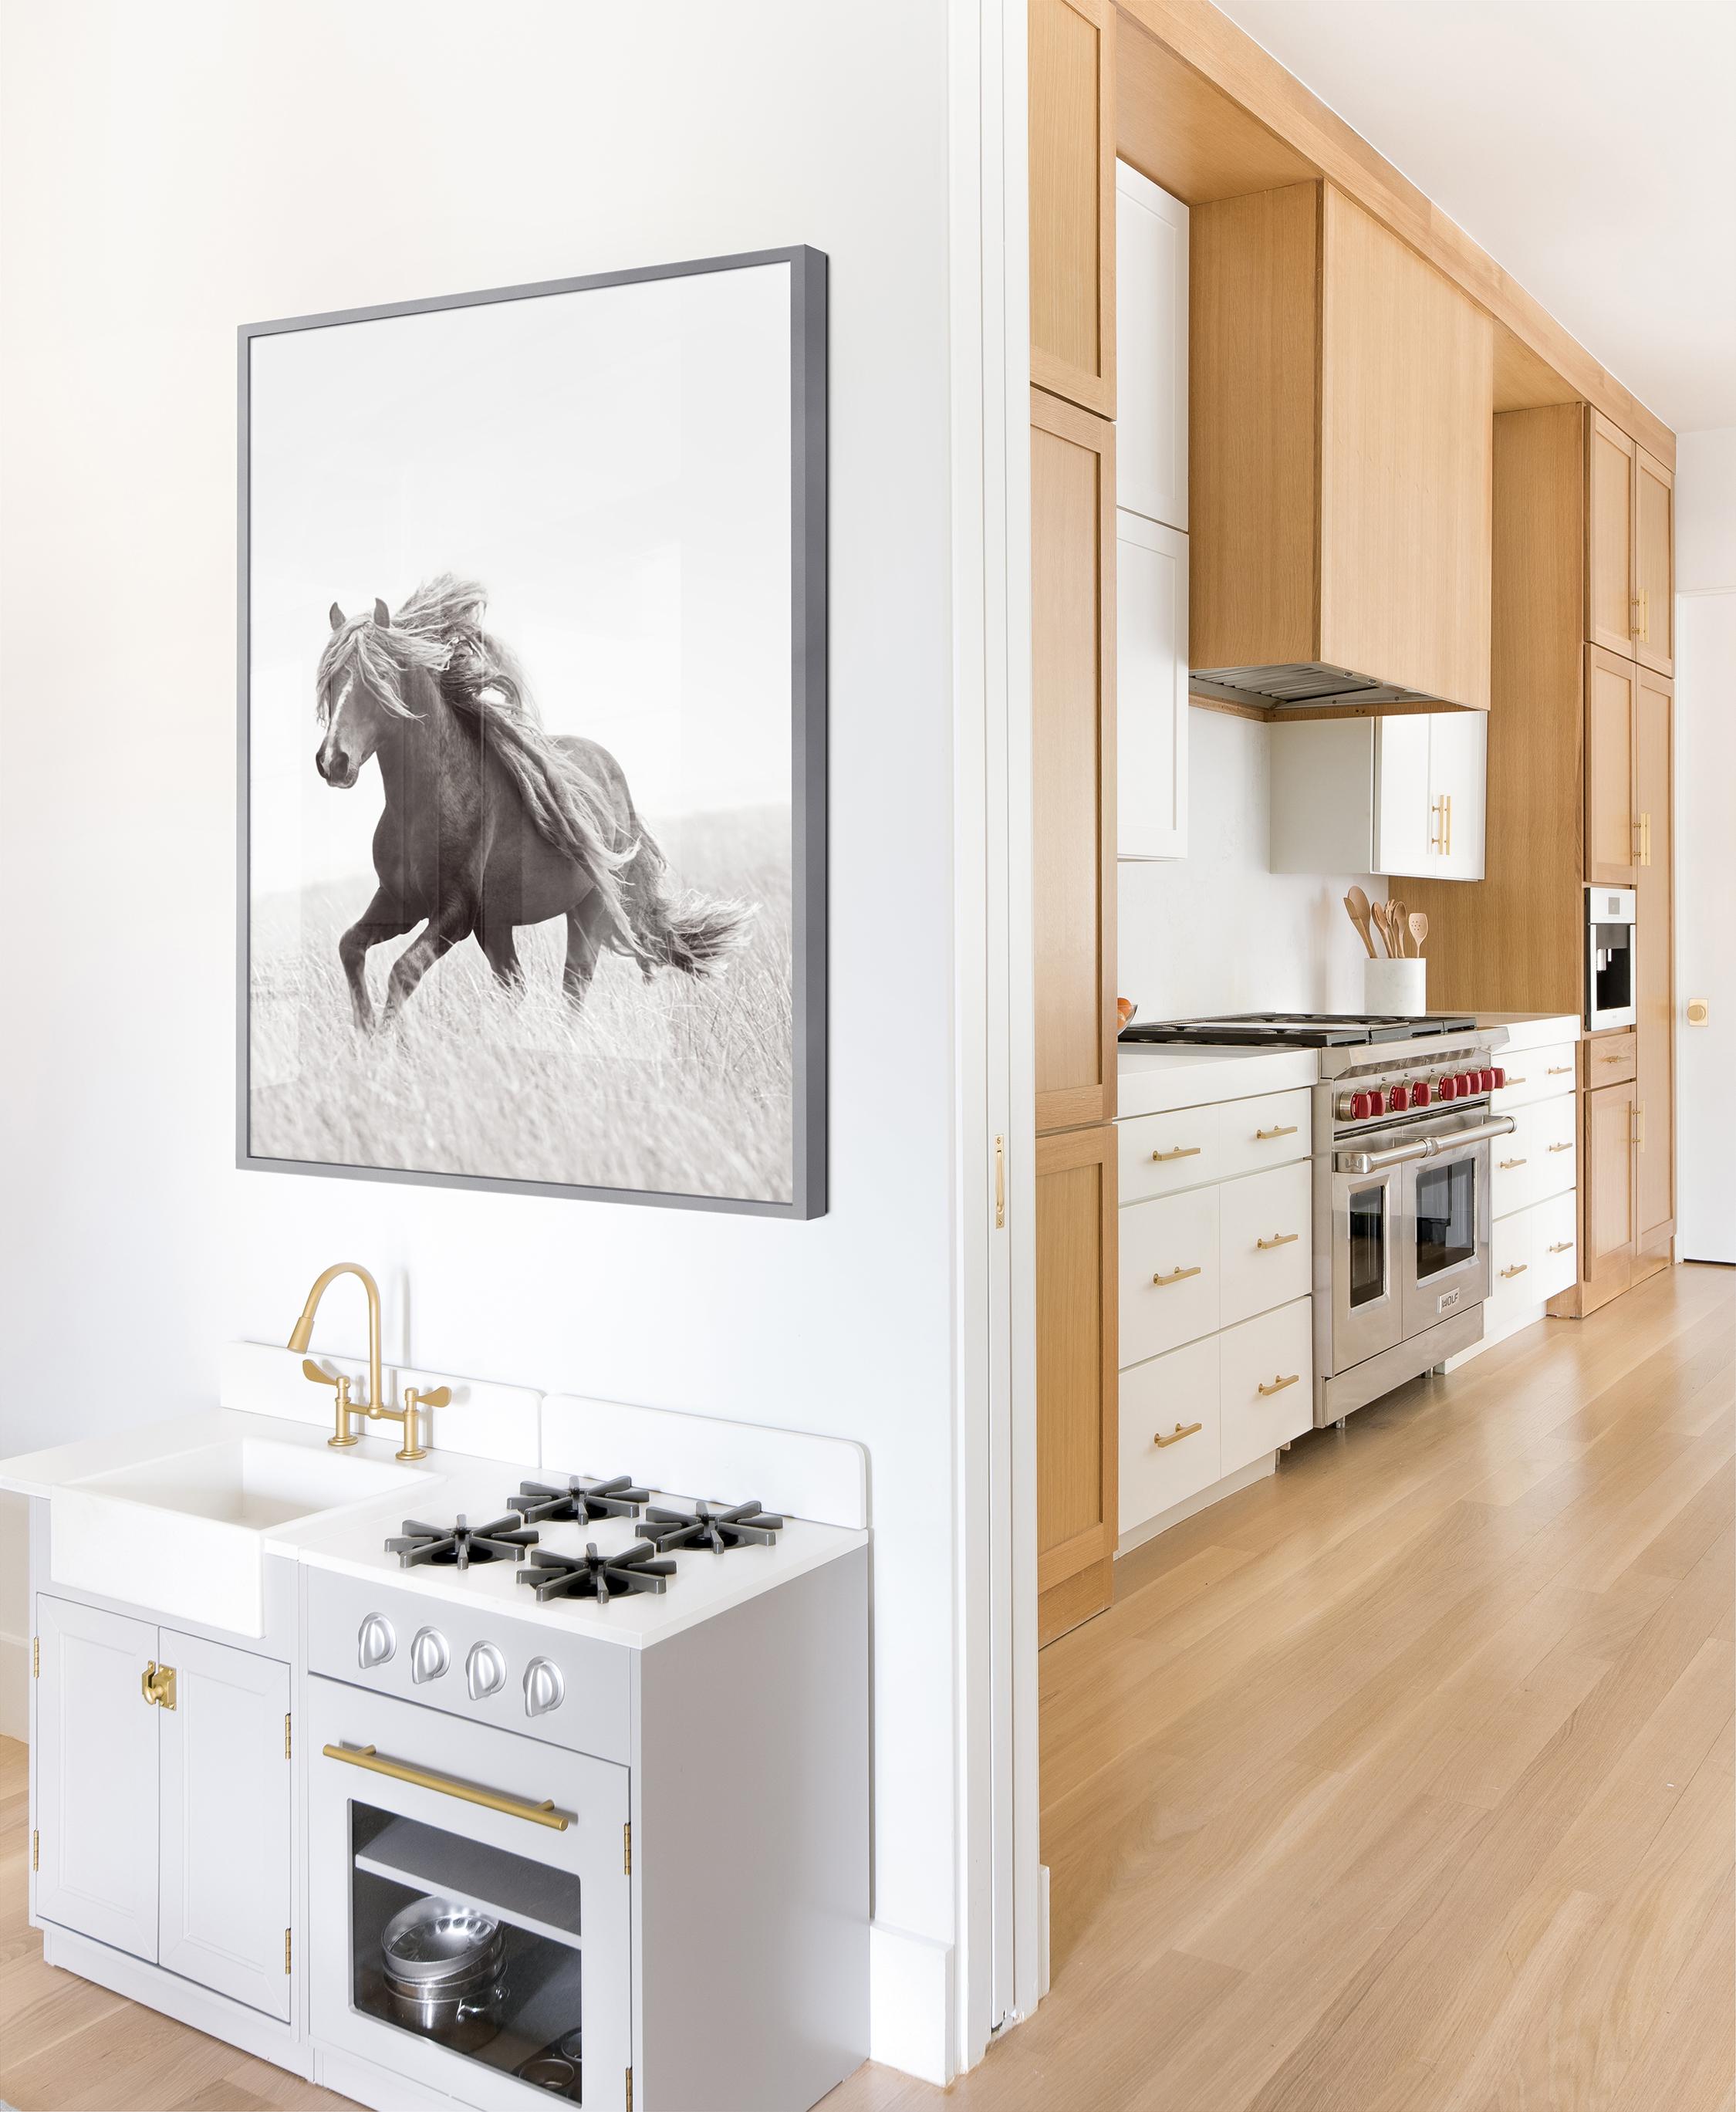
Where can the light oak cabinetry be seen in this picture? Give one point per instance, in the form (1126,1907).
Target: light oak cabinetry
(1077,1325)
(1654,564)
(1072,200)
(163,1825)
(1577,793)
(1629,549)
(1073,691)
(1340,393)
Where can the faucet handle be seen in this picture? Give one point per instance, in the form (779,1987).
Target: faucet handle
(345,1407)
(311,1370)
(438,1397)
(415,1399)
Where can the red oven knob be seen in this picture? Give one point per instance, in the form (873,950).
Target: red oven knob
(1449,1089)
(1420,1094)
(1501,1078)
(1470,1082)
(1363,1105)
(1486,1081)
(1397,1099)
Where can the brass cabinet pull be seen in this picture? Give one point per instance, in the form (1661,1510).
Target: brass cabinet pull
(1562,1246)
(1639,1125)
(1568,1146)
(1181,1151)
(1436,831)
(1175,1276)
(1512,1082)
(1611,1060)
(1278,1239)
(1560,1070)
(1175,1436)
(1447,824)
(157,1683)
(1506,1163)
(1518,1268)
(1645,839)
(1265,1135)
(1279,1385)
(515,1807)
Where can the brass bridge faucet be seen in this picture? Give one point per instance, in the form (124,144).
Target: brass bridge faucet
(374,1407)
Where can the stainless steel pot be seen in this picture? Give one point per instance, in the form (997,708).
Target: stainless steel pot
(441,1962)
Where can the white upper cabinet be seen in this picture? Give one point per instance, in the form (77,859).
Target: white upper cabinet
(1151,350)
(1402,795)
(1150,689)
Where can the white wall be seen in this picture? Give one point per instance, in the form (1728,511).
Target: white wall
(1705,855)
(1217,931)
(171,173)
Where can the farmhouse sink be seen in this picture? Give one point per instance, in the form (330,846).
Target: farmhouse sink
(186,1533)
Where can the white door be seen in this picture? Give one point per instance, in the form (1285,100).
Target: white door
(1150,689)
(1457,752)
(1150,350)
(1705,953)
(225,1892)
(1403,834)
(96,1776)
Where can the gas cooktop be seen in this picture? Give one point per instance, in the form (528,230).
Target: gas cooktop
(1298,1030)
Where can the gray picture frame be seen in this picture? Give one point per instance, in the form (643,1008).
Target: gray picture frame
(808,796)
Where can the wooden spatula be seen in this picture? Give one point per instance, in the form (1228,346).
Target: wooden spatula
(1357,903)
(1418,931)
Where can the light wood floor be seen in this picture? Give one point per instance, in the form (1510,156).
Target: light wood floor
(1401,1782)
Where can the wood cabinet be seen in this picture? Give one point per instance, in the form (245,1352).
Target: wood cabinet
(1077,1328)
(1151,350)
(1607,1193)
(1402,795)
(164,1829)
(1150,689)
(1073,707)
(1655,1026)
(1072,105)
(1341,399)
(1610,832)
(1629,549)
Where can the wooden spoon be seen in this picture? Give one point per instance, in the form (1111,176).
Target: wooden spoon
(1418,931)
(1357,903)
(1395,917)
(1377,910)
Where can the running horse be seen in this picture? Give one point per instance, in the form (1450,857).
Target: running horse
(490,822)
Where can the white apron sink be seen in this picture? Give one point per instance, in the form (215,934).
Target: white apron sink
(186,1533)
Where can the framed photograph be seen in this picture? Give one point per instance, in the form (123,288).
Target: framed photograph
(533,707)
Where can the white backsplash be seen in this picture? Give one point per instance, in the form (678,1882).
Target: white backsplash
(1217,931)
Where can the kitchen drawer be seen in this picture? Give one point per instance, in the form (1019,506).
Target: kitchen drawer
(1181,1388)
(1271,1130)
(1168,1272)
(1266,1383)
(1264,1242)
(1512,1269)
(1162,1154)
(1535,1074)
(1609,1059)
(1555,1245)
(1538,1159)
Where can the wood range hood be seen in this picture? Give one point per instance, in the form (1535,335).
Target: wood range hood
(1341,437)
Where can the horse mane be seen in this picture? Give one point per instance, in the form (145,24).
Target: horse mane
(439,631)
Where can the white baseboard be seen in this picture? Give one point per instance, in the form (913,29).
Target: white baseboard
(1042,1932)
(910,2003)
(15,1687)
(1244,1477)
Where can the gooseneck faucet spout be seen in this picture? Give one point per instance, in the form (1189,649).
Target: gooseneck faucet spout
(301,1334)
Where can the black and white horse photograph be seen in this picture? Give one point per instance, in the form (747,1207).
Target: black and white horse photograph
(521,726)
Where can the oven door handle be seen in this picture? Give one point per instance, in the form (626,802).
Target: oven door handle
(515,1807)
(1425,1147)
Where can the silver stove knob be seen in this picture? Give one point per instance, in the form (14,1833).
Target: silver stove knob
(544,1688)
(374,1641)
(484,1671)
(429,1655)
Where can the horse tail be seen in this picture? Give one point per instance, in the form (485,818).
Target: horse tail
(696,933)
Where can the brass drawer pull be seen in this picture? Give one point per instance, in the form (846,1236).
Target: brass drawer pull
(1175,1276)
(1559,1071)
(1562,1246)
(1278,1239)
(1265,1135)
(157,1683)
(1175,1436)
(1518,1268)
(1612,1059)
(1181,1151)
(1279,1385)
(1506,1163)
(1568,1146)
(1512,1082)
(515,1807)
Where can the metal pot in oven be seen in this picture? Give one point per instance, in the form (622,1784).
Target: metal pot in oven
(442,1962)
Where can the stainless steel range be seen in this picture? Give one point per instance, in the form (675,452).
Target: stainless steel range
(1402,1132)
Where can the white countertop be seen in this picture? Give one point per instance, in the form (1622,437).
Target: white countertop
(1158,1079)
(1532,1029)
(351,1540)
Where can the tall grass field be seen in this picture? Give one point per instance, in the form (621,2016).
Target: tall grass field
(679,1085)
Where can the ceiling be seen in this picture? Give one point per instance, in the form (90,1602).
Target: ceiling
(1588,145)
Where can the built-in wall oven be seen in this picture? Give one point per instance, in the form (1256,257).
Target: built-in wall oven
(1402,1224)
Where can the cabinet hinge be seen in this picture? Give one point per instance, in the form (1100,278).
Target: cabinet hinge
(286,1734)
(626,1848)
(36,1657)
(286,1950)
(35,1850)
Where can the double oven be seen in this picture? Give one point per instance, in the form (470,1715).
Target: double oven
(1401,1215)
